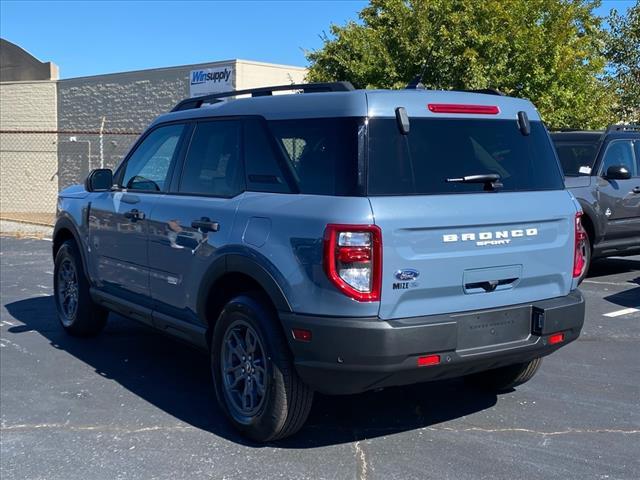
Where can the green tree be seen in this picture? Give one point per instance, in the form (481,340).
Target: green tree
(623,53)
(549,51)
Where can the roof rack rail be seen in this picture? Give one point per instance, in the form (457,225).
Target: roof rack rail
(197,102)
(623,128)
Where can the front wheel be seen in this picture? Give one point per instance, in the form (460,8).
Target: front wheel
(505,378)
(255,381)
(77,312)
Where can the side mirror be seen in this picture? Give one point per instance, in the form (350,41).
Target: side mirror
(99,180)
(617,172)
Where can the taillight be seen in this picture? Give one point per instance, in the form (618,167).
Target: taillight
(353,260)
(579,244)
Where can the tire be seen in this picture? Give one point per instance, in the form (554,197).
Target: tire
(77,312)
(278,402)
(505,378)
(587,252)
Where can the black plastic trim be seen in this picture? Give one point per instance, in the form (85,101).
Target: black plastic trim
(352,355)
(250,266)
(123,307)
(64,222)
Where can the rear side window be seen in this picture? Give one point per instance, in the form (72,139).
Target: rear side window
(322,153)
(577,158)
(213,165)
(439,149)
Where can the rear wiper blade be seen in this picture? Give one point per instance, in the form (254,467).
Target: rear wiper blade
(491,181)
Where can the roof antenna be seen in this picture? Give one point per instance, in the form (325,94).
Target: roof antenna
(416,83)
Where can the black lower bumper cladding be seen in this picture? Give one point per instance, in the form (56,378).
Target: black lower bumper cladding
(352,355)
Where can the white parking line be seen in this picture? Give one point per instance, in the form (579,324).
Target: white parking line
(621,284)
(624,311)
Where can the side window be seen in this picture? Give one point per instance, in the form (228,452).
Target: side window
(323,153)
(213,166)
(148,167)
(619,153)
(637,146)
(261,164)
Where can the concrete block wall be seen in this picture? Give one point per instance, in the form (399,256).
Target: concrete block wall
(28,161)
(127,101)
(35,166)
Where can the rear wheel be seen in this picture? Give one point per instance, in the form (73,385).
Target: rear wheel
(77,312)
(505,378)
(255,381)
(586,250)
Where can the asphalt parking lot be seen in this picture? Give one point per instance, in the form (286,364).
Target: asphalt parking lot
(135,404)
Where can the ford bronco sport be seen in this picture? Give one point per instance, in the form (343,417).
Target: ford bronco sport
(602,170)
(332,240)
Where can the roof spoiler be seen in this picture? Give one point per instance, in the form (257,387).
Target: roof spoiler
(197,102)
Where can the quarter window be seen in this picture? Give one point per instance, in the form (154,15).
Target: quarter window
(148,166)
(322,153)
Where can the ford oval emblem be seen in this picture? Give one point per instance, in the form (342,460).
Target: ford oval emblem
(407,274)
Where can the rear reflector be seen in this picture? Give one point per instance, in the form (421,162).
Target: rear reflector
(556,338)
(428,360)
(459,108)
(301,334)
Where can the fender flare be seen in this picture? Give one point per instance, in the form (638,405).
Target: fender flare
(251,264)
(64,222)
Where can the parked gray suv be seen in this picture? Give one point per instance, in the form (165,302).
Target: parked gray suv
(602,169)
(332,240)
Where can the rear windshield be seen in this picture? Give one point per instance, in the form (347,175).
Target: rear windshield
(439,149)
(577,158)
(322,153)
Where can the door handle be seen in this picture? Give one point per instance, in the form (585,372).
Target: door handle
(205,225)
(134,215)
(636,189)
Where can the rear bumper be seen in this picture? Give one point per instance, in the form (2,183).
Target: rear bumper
(351,355)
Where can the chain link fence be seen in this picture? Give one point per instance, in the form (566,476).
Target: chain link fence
(36,164)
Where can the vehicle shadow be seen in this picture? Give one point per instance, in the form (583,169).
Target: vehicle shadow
(612,266)
(628,298)
(177,380)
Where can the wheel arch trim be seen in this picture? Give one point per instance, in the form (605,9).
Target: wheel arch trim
(251,264)
(66,223)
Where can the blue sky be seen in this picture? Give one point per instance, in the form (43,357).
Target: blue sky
(89,38)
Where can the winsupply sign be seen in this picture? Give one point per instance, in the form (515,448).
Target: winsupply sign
(210,80)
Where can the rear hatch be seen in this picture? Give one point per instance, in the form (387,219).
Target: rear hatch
(454,245)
